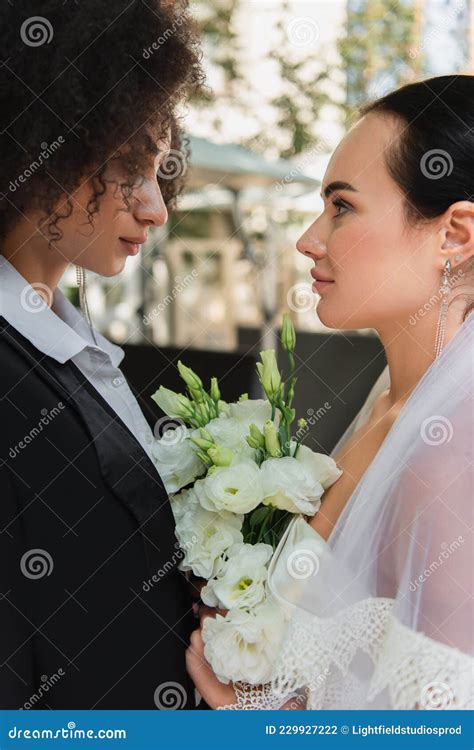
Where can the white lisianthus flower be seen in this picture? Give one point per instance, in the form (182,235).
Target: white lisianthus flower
(323,468)
(243,646)
(251,411)
(288,485)
(236,488)
(183,504)
(228,433)
(203,536)
(231,431)
(176,460)
(241,582)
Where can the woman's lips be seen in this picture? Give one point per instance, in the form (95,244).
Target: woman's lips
(132,248)
(318,286)
(319,283)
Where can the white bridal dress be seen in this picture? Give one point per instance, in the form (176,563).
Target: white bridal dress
(381,614)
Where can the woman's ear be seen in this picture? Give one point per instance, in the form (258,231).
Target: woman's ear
(457,234)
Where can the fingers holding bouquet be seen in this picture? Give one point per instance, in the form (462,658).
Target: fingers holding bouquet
(215,693)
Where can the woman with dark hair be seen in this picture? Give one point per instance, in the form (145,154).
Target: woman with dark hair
(384,617)
(94,611)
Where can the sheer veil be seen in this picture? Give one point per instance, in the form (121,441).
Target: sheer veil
(381,614)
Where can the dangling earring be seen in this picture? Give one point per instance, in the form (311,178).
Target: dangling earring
(444,290)
(81,283)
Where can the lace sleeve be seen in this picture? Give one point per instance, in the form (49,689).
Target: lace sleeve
(261,698)
(408,670)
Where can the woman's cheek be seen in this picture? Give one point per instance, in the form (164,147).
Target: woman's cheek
(356,270)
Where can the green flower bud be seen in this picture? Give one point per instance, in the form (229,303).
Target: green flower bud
(272,442)
(173,404)
(302,424)
(257,435)
(203,444)
(203,412)
(197,396)
(206,435)
(192,380)
(220,456)
(244,397)
(204,458)
(215,392)
(269,374)
(288,335)
(252,442)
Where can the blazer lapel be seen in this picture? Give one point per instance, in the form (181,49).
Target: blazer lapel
(135,481)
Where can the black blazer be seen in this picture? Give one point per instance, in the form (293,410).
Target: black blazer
(93,610)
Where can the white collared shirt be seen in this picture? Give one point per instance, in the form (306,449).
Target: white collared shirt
(61,332)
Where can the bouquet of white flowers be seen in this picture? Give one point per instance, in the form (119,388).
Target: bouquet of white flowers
(236,475)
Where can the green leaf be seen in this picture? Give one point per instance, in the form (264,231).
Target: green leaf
(259,515)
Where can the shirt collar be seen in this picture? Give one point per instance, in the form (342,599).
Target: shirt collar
(59,331)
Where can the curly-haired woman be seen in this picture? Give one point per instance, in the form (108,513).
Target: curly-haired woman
(88,98)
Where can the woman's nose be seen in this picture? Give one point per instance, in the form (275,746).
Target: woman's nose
(311,246)
(150,206)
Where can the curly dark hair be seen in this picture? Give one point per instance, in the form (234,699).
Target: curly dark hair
(83,84)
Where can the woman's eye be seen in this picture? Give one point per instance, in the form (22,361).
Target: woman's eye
(341,207)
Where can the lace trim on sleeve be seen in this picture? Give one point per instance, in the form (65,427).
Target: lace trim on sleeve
(407,669)
(422,673)
(259,698)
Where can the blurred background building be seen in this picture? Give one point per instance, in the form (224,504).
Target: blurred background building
(284,83)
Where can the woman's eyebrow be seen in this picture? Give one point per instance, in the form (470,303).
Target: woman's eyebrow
(337,185)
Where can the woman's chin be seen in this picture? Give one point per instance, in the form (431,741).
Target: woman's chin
(328,317)
(332,316)
(110,267)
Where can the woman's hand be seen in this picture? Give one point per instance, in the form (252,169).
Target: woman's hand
(214,692)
